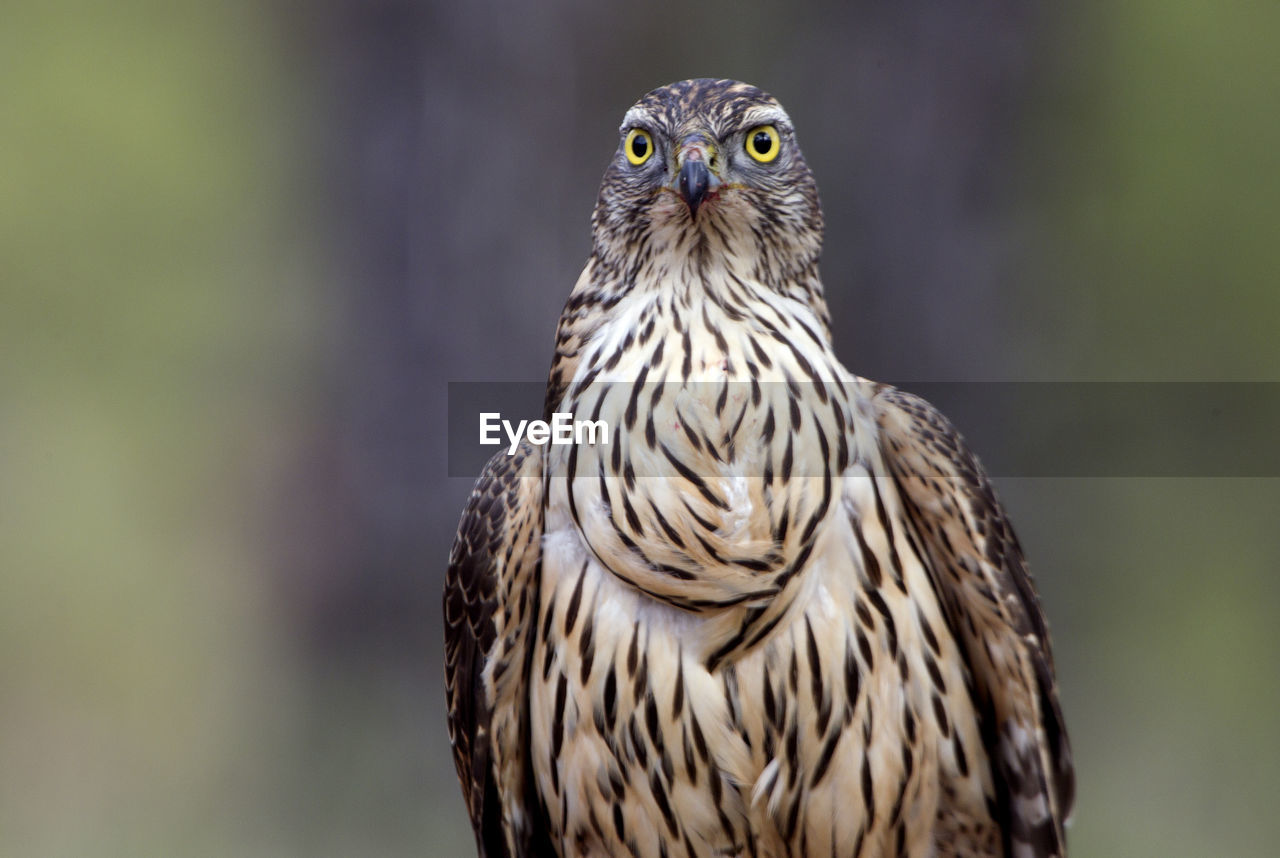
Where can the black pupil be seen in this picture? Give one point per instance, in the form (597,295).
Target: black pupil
(640,145)
(762,141)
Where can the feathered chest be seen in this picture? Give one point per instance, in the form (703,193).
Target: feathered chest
(727,425)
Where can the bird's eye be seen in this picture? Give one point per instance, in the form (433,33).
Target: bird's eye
(763,143)
(638,146)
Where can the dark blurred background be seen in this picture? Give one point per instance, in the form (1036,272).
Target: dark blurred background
(244,246)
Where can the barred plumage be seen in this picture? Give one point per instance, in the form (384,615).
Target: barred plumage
(782,613)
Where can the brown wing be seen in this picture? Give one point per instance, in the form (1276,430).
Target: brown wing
(992,609)
(490,605)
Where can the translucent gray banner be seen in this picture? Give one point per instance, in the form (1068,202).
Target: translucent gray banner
(1017,429)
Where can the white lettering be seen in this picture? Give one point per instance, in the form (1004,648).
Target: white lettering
(589,428)
(539,432)
(514,435)
(489,424)
(562,427)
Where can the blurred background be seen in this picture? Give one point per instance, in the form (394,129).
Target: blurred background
(244,246)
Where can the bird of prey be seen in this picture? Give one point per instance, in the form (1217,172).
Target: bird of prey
(781,612)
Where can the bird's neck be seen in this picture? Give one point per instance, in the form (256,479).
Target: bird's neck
(682,276)
(730,415)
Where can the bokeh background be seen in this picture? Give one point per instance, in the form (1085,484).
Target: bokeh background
(245,245)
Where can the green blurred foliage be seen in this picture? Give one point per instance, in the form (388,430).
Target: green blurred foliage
(1152,155)
(153,313)
(1152,163)
(163,325)
(1161,596)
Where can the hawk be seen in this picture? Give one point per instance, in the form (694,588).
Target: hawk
(781,612)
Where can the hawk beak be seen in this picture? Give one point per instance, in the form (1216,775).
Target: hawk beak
(695,181)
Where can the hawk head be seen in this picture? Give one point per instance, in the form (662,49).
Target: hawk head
(710,165)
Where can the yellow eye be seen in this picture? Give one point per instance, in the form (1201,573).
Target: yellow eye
(638,146)
(763,143)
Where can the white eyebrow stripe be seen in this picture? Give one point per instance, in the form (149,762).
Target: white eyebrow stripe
(765,115)
(637,117)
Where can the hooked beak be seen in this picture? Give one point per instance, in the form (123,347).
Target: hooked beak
(695,181)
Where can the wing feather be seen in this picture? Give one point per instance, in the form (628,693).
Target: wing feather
(490,602)
(994,613)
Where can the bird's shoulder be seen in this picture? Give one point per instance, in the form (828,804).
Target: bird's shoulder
(987,593)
